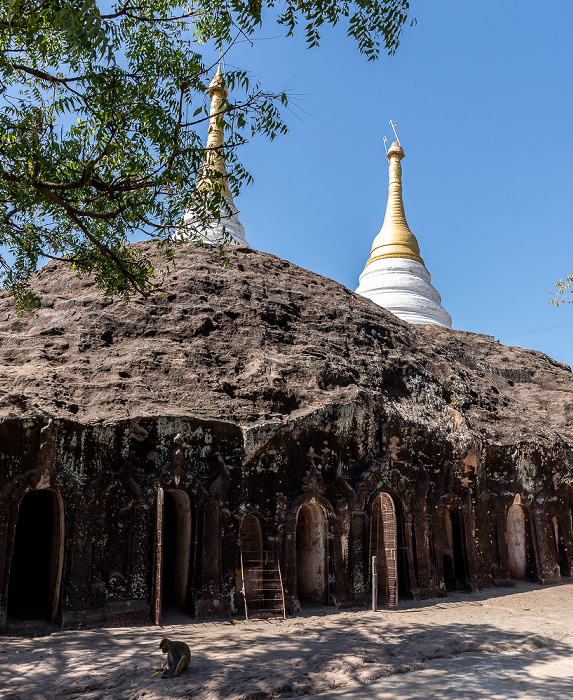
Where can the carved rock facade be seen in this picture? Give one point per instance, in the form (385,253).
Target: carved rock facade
(134,441)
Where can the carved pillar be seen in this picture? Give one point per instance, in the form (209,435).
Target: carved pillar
(435,532)
(211,580)
(332,564)
(138,551)
(424,564)
(289,573)
(337,590)
(502,578)
(566,524)
(357,557)
(409,544)
(228,557)
(210,561)
(546,564)
(79,541)
(473,577)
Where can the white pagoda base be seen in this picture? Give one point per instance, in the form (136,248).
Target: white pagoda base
(213,235)
(404,287)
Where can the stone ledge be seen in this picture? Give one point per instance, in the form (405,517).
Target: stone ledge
(112,614)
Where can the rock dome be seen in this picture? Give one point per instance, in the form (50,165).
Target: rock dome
(261,400)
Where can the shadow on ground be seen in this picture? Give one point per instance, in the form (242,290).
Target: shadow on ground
(250,663)
(543,675)
(318,651)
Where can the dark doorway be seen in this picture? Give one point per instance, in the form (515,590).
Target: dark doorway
(176,548)
(36,566)
(454,568)
(311,553)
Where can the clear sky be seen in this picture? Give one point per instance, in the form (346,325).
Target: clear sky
(482,95)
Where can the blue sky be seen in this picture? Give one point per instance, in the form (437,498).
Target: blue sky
(482,95)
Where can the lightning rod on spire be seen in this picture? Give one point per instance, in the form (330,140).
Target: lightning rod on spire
(394,125)
(386,145)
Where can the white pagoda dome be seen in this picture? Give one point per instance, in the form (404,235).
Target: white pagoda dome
(395,276)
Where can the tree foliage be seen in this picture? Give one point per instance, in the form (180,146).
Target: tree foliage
(563,291)
(103,119)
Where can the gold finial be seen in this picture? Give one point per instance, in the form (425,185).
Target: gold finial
(395,239)
(215,158)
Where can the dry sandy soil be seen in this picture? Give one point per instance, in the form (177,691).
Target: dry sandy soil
(399,653)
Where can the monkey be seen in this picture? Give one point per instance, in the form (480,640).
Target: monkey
(178,657)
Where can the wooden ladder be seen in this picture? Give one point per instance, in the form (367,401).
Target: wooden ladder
(263,590)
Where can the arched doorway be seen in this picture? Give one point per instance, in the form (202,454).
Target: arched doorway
(453,558)
(37,558)
(173,550)
(384,546)
(311,553)
(251,539)
(516,542)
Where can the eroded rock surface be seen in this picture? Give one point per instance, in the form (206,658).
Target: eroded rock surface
(263,340)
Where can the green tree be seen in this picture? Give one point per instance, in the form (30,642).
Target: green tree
(103,120)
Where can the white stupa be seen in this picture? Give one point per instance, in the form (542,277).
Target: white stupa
(395,276)
(215,163)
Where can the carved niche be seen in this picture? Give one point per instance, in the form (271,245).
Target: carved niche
(312,482)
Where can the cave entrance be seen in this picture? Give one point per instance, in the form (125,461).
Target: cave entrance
(172,551)
(37,558)
(516,542)
(453,558)
(384,546)
(311,553)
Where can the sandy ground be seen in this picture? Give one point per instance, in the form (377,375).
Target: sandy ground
(505,643)
(476,676)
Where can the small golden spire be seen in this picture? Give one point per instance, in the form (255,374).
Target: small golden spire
(215,158)
(395,239)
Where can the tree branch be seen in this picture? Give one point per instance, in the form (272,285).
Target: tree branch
(47,76)
(108,254)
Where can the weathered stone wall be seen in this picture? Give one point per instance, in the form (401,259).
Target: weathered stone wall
(108,477)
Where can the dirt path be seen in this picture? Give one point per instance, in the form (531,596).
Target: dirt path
(316,652)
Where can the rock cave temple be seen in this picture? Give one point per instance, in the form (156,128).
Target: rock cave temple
(262,428)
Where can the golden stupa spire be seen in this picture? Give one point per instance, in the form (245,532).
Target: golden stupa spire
(395,239)
(215,158)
